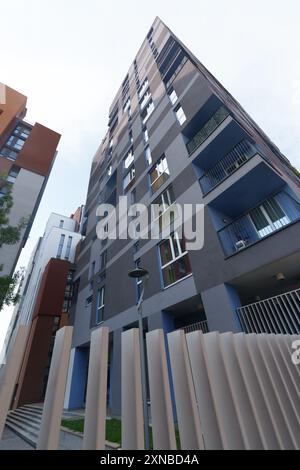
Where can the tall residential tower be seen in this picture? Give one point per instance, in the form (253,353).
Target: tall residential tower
(176,135)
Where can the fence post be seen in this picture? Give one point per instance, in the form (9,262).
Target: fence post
(161,403)
(186,404)
(95,411)
(131,386)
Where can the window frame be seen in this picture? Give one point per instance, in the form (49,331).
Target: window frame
(100,305)
(155,168)
(182,115)
(182,254)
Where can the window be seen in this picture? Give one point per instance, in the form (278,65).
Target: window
(164,213)
(145,99)
(100,305)
(130,137)
(181,117)
(61,224)
(268,217)
(15,142)
(148,155)
(146,135)
(133,197)
(3,191)
(88,301)
(12,175)
(22,131)
(174,259)
(148,111)
(129,178)
(173,96)
(164,201)
(129,159)
(159,174)
(109,171)
(103,260)
(8,153)
(60,246)
(127,105)
(143,88)
(69,246)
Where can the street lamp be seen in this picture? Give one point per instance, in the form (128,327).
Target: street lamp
(142,274)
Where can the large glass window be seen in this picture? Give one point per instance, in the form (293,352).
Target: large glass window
(15,142)
(175,263)
(148,155)
(146,135)
(129,159)
(60,246)
(100,305)
(145,99)
(13,174)
(181,117)
(129,178)
(173,96)
(69,246)
(103,260)
(159,174)
(268,217)
(143,88)
(148,111)
(163,213)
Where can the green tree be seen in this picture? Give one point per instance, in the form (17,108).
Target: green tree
(8,236)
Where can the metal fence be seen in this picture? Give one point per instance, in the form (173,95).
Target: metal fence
(228,165)
(200,326)
(277,315)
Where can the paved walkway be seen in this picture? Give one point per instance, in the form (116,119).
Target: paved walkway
(11,441)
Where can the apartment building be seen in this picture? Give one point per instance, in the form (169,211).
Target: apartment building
(175,135)
(46,296)
(27,154)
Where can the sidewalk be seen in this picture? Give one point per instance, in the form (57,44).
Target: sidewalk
(11,441)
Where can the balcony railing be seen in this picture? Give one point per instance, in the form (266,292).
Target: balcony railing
(228,165)
(270,216)
(208,128)
(277,315)
(200,326)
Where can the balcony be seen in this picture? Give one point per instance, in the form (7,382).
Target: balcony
(276,315)
(209,127)
(270,216)
(228,165)
(199,326)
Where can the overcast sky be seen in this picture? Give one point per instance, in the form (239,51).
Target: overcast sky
(69,58)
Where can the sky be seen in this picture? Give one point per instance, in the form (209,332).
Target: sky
(69,58)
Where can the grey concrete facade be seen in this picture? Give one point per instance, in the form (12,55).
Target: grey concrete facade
(223,275)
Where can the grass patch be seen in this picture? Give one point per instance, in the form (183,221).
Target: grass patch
(113,430)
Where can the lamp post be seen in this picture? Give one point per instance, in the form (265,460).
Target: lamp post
(140,273)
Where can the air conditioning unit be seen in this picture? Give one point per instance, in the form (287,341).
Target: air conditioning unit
(240,245)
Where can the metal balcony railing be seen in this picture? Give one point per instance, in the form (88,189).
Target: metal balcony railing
(277,315)
(211,125)
(270,216)
(200,326)
(228,165)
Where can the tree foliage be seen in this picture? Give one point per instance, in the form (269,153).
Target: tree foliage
(8,236)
